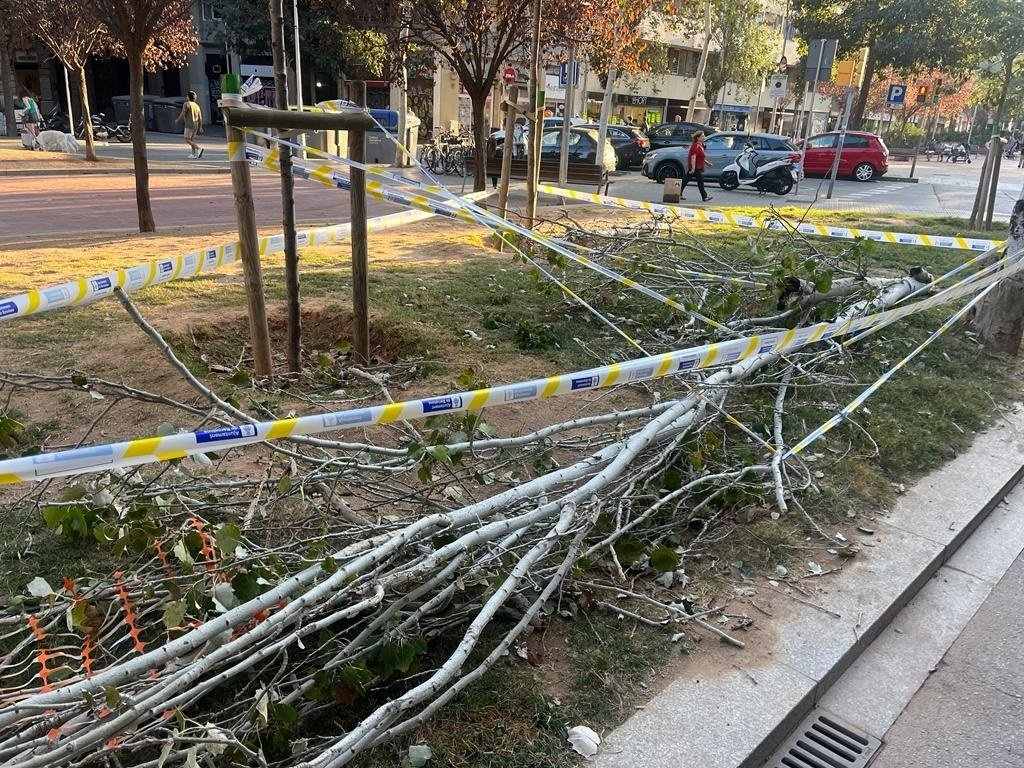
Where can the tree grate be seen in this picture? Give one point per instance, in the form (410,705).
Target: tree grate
(826,741)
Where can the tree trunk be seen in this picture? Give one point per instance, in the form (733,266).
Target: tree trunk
(291,252)
(136,81)
(1001,108)
(606,105)
(7,88)
(999,317)
(701,66)
(870,64)
(479,102)
(83,94)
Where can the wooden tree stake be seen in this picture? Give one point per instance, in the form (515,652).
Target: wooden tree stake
(241,184)
(360,267)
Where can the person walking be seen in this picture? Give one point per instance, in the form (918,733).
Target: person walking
(696,162)
(192,116)
(31,116)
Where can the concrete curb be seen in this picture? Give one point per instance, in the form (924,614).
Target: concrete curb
(793,718)
(731,719)
(903,179)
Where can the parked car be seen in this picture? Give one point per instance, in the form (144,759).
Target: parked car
(675,134)
(864,156)
(549,122)
(582,147)
(630,144)
(720,149)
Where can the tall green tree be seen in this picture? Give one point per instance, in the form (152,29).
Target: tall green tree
(1001,28)
(903,35)
(743,49)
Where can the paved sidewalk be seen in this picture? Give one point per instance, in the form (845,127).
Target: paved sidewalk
(970,711)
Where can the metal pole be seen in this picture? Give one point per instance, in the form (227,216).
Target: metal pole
(245,212)
(810,111)
(570,96)
(537,109)
(842,138)
(67,92)
(298,73)
(291,253)
(757,110)
(511,107)
(360,249)
(993,180)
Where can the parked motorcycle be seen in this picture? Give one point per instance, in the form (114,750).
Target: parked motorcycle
(103,130)
(776,176)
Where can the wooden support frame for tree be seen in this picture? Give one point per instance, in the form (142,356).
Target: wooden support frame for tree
(237,119)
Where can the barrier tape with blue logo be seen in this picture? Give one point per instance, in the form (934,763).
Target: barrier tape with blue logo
(86,290)
(101,458)
(747,221)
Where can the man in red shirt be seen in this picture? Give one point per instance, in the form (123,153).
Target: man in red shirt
(696,163)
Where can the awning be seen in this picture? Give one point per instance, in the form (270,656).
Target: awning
(736,108)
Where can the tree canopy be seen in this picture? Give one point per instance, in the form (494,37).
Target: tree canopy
(744,48)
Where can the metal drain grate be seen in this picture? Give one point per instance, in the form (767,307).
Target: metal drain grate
(825,741)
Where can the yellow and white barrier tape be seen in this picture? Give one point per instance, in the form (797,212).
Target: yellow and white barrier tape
(713,216)
(328,176)
(86,290)
(101,458)
(858,401)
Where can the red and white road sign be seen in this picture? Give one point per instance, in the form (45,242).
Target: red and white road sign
(509,74)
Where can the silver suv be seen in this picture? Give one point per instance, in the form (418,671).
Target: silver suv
(720,149)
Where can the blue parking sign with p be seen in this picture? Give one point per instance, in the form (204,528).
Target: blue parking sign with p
(897,95)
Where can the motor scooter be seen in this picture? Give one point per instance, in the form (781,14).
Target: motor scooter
(776,176)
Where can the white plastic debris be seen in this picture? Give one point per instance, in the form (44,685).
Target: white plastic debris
(583,740)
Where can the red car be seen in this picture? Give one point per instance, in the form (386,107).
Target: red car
(864,156)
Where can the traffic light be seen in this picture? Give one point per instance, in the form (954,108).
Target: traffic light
(922,94)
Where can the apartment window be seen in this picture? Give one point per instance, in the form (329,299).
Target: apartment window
(683,62)
(210,12)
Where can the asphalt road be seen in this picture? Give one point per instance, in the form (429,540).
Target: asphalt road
(41,207)
(943,190)
(38,208)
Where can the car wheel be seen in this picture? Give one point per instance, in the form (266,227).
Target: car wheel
(668,171)
(864,172)
(728,180)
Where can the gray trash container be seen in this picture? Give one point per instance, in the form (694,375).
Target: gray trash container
(166,111)
(149,110)
(122,106)
(380,146)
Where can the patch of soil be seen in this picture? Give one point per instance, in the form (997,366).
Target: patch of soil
(326,329)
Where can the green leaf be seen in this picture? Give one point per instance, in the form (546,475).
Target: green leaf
(73,492)
(227,537)
(823,282)
(284,484)
(240,379)
(329,565)
(112,697)
(438,452)
(174,614)
(245,586)
(184,556)
(672,479)
(664,559)
(397,656)
(628,549)
(54,516)
(79,612)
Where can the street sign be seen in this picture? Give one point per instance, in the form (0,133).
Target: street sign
(821,55)
(897,95)
(778,86)
(563,74)
(509,74)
